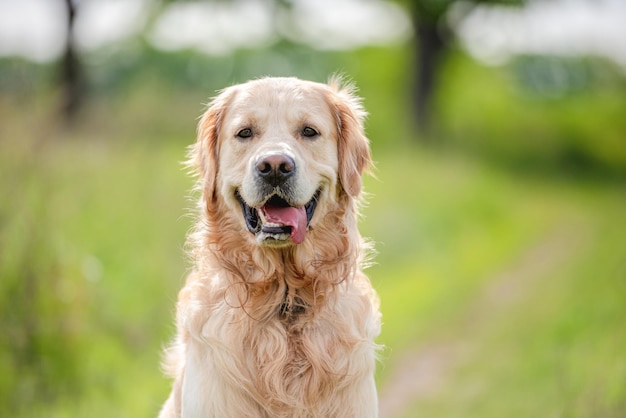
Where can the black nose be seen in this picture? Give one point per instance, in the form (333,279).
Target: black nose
(275,169)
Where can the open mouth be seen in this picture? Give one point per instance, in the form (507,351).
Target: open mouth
(277,220)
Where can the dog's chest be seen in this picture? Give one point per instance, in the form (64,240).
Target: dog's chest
(294,361)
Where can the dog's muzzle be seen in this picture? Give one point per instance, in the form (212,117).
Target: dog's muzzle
(277,221)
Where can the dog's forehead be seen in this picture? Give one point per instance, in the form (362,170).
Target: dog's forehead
(287,97)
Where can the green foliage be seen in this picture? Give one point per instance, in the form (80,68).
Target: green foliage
(538,113)
(526,117)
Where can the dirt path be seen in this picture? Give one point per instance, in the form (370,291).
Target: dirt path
(422,373)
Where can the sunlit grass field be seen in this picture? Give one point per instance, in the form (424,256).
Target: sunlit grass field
(500,265)
(92,236)
(517,285)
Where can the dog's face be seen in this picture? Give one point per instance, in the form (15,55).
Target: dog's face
(279,152)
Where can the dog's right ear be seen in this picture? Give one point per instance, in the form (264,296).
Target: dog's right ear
(203,155)
(352,146)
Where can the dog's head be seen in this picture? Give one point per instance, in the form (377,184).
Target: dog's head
(279,152)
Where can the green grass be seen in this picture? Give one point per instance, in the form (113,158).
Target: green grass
(558,350)
(92,227)
(445,224)
(450,228)
(92,238)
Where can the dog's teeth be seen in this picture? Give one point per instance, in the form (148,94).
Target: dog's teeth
(265,222)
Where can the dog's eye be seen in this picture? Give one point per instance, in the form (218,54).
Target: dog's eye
(245,133)
(309,132)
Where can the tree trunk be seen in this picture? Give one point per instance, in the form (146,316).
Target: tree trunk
(429,47)
(71,72)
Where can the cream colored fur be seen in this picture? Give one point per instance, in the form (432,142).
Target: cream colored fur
(277,330)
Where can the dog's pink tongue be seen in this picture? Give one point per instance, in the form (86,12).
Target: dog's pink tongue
(288,216)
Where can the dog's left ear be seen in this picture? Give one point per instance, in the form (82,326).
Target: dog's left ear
(352,146)
(204,153)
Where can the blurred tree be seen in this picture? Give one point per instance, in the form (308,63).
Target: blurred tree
(432,40)
(71,76)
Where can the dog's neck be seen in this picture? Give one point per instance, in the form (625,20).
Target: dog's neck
(292,308)
(284,282)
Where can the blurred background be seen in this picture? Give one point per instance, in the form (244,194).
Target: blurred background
(498,206)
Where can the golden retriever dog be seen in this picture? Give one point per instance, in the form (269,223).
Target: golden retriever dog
(277,318)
